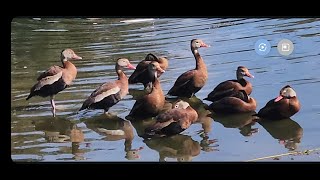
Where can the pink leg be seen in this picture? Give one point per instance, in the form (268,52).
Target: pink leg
(53,106)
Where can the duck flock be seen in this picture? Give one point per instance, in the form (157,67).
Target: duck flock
(228,97)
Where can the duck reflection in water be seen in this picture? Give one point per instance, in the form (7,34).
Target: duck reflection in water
(204,119)
(56,130)
(242,121)
(60,130)
(288,132)
(180,147)
(115,128)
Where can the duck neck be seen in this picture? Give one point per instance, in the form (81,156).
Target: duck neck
(69,67)
(239,76)
(67,64)
(121,75)
(241,80)
(200,65)
(157,87)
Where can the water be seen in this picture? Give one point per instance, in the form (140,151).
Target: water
(37,42)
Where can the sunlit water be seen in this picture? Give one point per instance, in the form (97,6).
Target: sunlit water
(71,136)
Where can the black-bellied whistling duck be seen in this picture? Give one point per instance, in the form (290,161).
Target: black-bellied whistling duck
(239,102)
(56,78)
(138,76)
(146,77)
(173,121)
(151,103)
(110,93)
(226,88)
(282,107)
(193,80)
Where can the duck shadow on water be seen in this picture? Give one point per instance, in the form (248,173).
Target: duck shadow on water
(242,121)
(115,128)
(59,130)
(288,132)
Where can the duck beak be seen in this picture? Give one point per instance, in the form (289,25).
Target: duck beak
(278,98)
(204,45)
(249,75)
(160,70)
(130,66)
(76,57)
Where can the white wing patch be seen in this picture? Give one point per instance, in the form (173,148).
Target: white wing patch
(101,96)
(48,80)
(118,132)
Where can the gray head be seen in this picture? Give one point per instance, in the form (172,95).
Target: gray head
(124,63)
(286,92)
(243,71)
(69,54)
(198,43)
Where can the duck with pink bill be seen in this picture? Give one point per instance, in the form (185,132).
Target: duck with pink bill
(110,93)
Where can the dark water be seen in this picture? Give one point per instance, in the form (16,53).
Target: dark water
(36,44)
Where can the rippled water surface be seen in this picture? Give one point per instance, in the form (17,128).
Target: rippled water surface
(36,44)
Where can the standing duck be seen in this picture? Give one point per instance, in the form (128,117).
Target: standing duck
(229,87)
(193,80)
(173,121)
(110,93)
(151,103)
(138,76)
(239,102)
(282,107)
(56,78)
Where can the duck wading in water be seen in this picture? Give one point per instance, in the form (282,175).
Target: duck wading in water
(193,80)
(56,78)
(110,93)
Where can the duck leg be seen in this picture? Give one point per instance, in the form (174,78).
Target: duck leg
(53,106)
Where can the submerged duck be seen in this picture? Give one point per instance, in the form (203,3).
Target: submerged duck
(151,103)
(110,93)
(193,80)
(139,75)
(56,78)
(282,107)
(173,121)
(229,87)
(238,102)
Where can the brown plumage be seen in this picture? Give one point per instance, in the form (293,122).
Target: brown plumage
(173,121)
(239,102)
(190,82)
(282,107)
(110,93)
(56,78)
(229,87)
(139,75)
(151,103)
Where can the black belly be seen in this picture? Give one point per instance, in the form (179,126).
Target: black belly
(50,89)
(107,102)
(187,90)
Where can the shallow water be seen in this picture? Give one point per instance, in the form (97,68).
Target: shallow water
(36,44)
